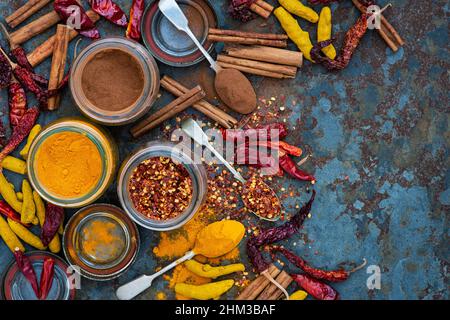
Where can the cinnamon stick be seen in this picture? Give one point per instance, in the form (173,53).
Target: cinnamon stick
(246,34)
(266,54)
(45,49)
(255,71)
(260,10)
(258,285)
(265,5)
(387,31)
(58,63)
(245,40)
(289,71)
(168,111)
(203,106)
(24,12)
(272,292)
(35,27)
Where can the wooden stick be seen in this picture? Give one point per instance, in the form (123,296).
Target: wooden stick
(260,10)
(245,34)
(168,111)
(35,27)
(387,31)
(24,12)
(258,285)
(266,54)
(203,106)
(272,292)
(264,5)
(58,63)
(286,70)
(254,71)
(243,40)
(45,49)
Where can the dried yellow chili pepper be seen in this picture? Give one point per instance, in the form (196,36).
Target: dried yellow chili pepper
(324,32)
(8,193)
(33,133)
(28,212)
(299,9)
(55,244)
(15,165)
(207,291)
(10,237)
(208,271)
(295,33)
(26,235)
(298,295)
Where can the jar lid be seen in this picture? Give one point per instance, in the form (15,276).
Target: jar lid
(101,240)
(16,287)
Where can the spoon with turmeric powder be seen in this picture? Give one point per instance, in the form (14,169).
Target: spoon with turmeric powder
(214,240)
(232,87)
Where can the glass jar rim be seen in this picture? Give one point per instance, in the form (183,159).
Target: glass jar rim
(68,126)
(154,149)
(141,105)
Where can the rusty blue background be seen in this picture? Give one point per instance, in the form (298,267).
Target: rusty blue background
(379,134)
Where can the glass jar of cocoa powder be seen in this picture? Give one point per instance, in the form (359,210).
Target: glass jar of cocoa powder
(114,81)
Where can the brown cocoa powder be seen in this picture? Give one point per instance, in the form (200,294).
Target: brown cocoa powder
(235,90)
(112,80)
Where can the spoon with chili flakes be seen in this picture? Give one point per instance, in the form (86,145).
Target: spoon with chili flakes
(257,196)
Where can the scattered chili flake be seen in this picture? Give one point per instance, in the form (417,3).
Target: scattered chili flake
(160,189)
(259,198)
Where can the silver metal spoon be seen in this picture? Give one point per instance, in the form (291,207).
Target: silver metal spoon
(193,130)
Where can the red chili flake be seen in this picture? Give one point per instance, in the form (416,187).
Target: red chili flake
(160,189)
(259,198)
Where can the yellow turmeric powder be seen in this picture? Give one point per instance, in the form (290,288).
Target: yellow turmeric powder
(68,164)
(218,238)
(102,240)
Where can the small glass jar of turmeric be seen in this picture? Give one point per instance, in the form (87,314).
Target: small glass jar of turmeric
(72,162)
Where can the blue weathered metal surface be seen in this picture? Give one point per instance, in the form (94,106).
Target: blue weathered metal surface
(379,134)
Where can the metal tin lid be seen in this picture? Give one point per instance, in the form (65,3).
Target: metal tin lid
(171,46)
(16,286)
(101,240)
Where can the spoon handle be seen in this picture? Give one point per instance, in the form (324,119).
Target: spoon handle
(131,289)
(211,61)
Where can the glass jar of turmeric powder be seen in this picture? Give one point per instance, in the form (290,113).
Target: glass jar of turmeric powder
(72,162)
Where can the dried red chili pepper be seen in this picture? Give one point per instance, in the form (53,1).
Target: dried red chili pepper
(54,216)
(25,77)
(332,276)
(240,10)
(272,235)
(17,100)
(25,266)
(134,25)
(262,131)
(351,42)
(73,14)
(48,272)
(110,11)
(290,167)
(20,132)
(7,211)
(5,71)
(20,56)
(315,288)
(290,149)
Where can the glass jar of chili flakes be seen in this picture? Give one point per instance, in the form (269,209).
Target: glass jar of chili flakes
(161,187)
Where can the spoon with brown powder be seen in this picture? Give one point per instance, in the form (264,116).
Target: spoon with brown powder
(232,87)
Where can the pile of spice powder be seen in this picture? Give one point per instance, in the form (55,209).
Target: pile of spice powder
(160,189)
